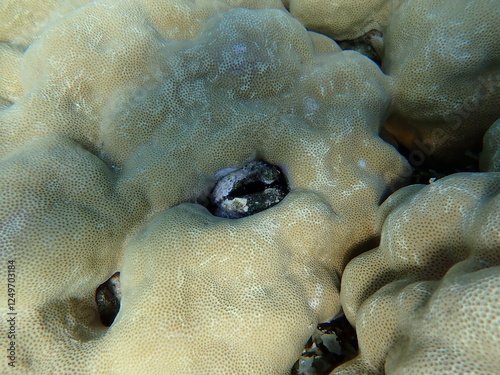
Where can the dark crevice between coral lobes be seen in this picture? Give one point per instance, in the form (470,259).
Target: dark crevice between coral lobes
(332,344)
(369,45)
(426,170)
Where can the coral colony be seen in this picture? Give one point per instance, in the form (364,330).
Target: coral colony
(250,187)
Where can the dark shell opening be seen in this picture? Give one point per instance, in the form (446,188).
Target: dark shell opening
(107,298)
(247,190)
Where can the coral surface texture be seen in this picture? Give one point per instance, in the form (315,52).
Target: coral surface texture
(191,187)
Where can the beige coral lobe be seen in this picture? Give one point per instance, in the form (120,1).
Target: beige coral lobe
(424,282)
(444,59)
(123,123)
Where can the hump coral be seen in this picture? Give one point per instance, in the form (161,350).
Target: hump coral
(117,119)
(427,299)
(444,58)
